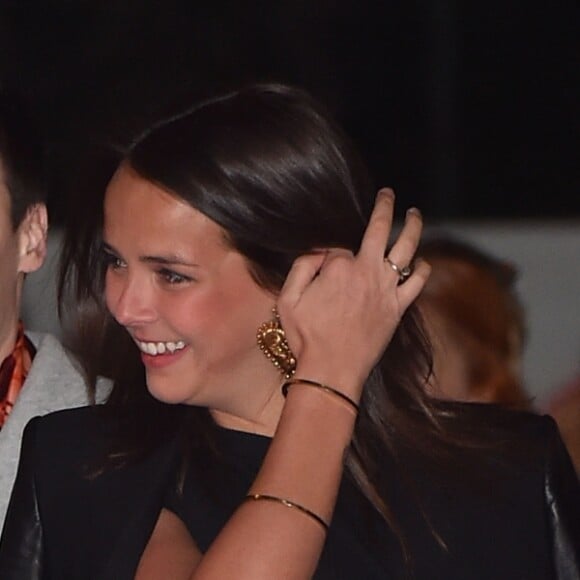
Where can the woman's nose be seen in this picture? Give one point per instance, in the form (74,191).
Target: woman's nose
(130,300)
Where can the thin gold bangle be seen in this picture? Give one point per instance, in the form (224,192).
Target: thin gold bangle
(289,504)
(317,385)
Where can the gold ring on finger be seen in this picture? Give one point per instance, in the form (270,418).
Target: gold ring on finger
(403,273)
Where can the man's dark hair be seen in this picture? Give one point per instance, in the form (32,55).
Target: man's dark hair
(21,155)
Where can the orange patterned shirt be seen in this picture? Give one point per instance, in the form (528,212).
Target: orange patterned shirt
(13,372)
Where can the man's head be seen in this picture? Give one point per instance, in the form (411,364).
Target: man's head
(23,218)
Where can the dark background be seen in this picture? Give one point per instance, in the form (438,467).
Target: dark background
(468,109)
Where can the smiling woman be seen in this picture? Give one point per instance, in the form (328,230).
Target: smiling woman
(244,227)
(172,279)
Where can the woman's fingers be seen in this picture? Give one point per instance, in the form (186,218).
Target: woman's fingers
(377,233)
(408,291)
(397,264)
(303,271)
(399,260)
(405,245)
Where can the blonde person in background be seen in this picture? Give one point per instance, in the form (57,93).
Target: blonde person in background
(476,323)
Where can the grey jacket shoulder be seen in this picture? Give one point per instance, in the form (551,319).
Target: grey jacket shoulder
(54,382)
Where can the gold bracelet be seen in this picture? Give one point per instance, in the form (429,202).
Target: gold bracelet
(326,388)
(287,503)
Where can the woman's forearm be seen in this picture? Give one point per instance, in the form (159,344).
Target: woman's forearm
(304,464)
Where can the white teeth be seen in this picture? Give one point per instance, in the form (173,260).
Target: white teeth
(155,348)
(173,346)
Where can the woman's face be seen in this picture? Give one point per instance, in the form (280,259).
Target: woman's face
(186,298)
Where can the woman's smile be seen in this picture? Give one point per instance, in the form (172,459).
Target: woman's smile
(157,355)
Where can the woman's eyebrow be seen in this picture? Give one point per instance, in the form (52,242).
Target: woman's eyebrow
(108,248)
(168,260)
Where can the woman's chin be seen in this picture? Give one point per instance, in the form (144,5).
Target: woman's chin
(169,394)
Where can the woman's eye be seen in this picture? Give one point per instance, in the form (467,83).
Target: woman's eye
(171,277)
(111,261)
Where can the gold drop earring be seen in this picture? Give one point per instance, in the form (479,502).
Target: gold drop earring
(272,342)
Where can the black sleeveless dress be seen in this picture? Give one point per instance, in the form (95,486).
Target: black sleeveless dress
(513,515)
(484,536)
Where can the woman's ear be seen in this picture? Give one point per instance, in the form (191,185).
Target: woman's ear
(32,235)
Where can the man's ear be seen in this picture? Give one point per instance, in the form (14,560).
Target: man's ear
(32,234)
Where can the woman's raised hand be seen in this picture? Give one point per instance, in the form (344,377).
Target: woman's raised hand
(340,310)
